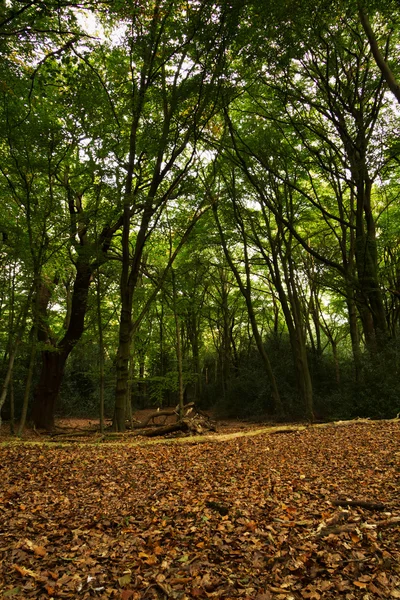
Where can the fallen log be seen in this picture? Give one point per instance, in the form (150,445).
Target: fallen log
(287,430)
(81,433)
(192,423)
(360,503)
(153,417)
(179,426)
(163,413)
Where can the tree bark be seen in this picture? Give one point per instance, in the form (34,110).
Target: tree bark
(28,383)
(371,306)
(13,344)
(48,388)
(129,278)
(226,354)
(178,347)
(101,352)
(55,356)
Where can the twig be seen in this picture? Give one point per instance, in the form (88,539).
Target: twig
(361,504)
(393,522)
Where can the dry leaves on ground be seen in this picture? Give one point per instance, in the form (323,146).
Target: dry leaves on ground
(250,518)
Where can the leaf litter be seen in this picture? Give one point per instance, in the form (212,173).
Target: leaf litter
(256,518)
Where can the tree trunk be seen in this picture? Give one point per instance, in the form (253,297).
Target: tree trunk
(371,304)
(7,378)
(122,371)
(54,357)
(336,360)
(14,348)
(193,335)
(246,292)
(354,335)
(12,406)
(369,295)
(48,388)
(101,352)
(196,365)
(178,348)
(128,284)
(226,358)
(299,342)
(292,312)
(28,383)
(282,263)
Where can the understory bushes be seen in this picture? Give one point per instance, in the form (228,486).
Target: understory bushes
(244,393)
(377,395)
(80,390)
(336,394)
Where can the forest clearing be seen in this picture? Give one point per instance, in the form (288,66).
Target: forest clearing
(312,513)
(199,207)
(199,202)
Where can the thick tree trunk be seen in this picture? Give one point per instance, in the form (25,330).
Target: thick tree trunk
(48,388)
(371,306)
(55,358)
(129,279)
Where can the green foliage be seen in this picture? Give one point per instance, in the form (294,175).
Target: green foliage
(80,394)
(160,387)
(272,114)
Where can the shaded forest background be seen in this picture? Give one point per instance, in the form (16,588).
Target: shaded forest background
(199,201)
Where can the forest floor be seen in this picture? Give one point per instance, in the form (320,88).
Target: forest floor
(311,513)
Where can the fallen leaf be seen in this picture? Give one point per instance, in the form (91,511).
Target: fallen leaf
(50,590)
(12,592)
(125,579)
(360,584)
(26,572)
